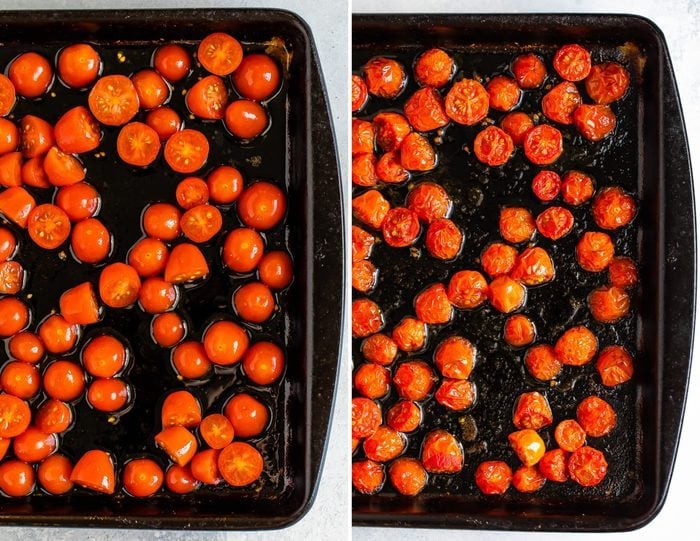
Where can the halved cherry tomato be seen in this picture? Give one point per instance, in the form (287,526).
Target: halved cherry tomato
(15,416)
(95,471)
(168,329)
(33,445)
(555,222)
(185,264)
(560,103)
(467,102)
(53,416)
(216,431)
(151,89)
(108,394)
(572,62)
(181,408)
(248,415)
(186,151)
(542,363)
(138,144)
(613,208)
(12,277)
(190,360)
(442,453)
(257,77)
(577,188)
(142,477)
(26,346)
(367,476)
(532,410)
(240,464)
(607,82)
(8,95)
(78,65)
(11,169)
(359,93)
(14,317)
(553,465)
(207,98)
(91,241)
(33,173)
(594,122)
(201,223)
(54,474)
(569,435)
(385,77)
(79,305)
(77,131)
(172,62)
(546,185)
(220,53)
(191,192)
(391,129)
(113,100)
(528,479)
(543,144)
(165,121)
(63,169)
(493,146)
(64,380)
(434,68)
(225,184)
(178,443)
(504,93)
(225,342)
(529,70)
(587,466)
(31,74)
(79,201)
(8,244)
(48,226)
(119,285)
(36,136)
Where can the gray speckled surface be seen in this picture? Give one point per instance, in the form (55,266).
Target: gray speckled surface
(330,515)
(680,22)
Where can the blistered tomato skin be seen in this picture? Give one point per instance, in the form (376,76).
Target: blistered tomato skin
(442,453)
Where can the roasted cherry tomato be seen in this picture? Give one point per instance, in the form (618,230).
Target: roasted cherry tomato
(248,415)
(608,304)
(441,453)
(504,93)
(555,222)
(614,365)
(165,121)
(467,102)
(404,416)
(553,465)
(262,205)
(417,154)
(380,349)
(519,331)
(14,317)
(384,444)
(151,89)
(372,381)
(607,82)
(533,267)
(569,435)
(516,125)
(594,122)
(366,417)
(622,272)
(432,305)
(246,119)
(454,357)
(186,151)
(400,227)
(576,346)
(613,208)
(596,416)
(532,410)
(444,239)
(363,170)
(506,295)
(79,201)
(226,342)
(64,380)
(364,276)
(572,62)
(433,67)
(370,208)
(367,318)
(54,474)
(390,129)
(493,146)
(546,185)
(529,70)
(516,224)
(456,394)
(414,380)
(560,103)
(577,188)
(542,363)
(409,334)
(594,251)
(385,77)
(359,93)
(498,259)
(528,479)
(367,476)
(587,466)
(142,477)
(429,201)
(8,95)
(240,464)
(493,477)
(407,476)
(425,110)
(79,305)
(467,289)
(527,445)
(543,144)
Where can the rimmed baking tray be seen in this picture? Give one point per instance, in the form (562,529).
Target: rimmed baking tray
(299,153)
(648,157)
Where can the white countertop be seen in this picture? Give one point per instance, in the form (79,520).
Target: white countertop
(331,512)
(680,22)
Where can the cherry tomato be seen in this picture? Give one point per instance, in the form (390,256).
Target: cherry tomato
(216,431)
(528,479)
(151,89)
(138,144)
(493,477)
(516,224)
(79,201)
(11,169)
(506,295)
(27,347)
(441,453)
(498,259)
(15,204)
(246,119)
(594,251)
(546,185)
(77,131)
(362,243)
(613,208)
(243,250)
(204,467)
(33,445)
(372,381)
(225,184)
(542,363)
(157,296)
(142,477)
(434,68)
(225,342)
(615,366)
(185,264)
(519,331)
(79,305)
(467,102)
(33,173)
(533,267)
(596,416)
(168,329)
(36,136)
(119,285)
(91,242)
(529,70)
(78,65)
(190,360)
(165,121)
(404,416)
(20,379)
(516,125)
(543,144)
(504,93)
(257,77)
(8,96)
(594,122)
(220,53)
(425,110)
(48,226)
(409,334)
(370,208)
(622,272)
(454,357)
(54,474)
(560,103)
(276,269)
(181,408)
(456,394)
(63,169)
(113,100)
(366,417)
(577,346)
(254,302)
(532,410)
(553,465)
(12,277)
(364,276)
(179,479)
(162,221)
(467,289)
(9,136)
(248,415)
(390,130)
(380,349)
(14,317)
(572,62)
(444,239)
(64,380)
(263,363)
(414,380)
(104,356)
(607,82)
(172,62)
(148,257)
(493,146)
(262,205)
(527,445)
(432,305)
(408,476)
(186,151)
(384,444)
(608,304)
(577,188)
(555,222)
(15,416)
(429,201)
(363,170)
(8,244)
(362,136)
(569,435)
(359,93)
(201,223)
(31,74)
(367,476)
(385,77)
(587,466)
(400,227)
(95,471)
(417,154)
(178,443)
(16,478)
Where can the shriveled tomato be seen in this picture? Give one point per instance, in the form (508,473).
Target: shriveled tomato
(389,169)
(608,304)
(498,259)
(366,417)
(358,93)
(433,67)
(622,272)
(594,122)
(555,222)
(407,476)
(607,82)
(380,349)
(594,251)
(409,334)
(432,305)
(367,476)
(444,239)
(467,289)
(614,365)
(587,466)
(519,331)
(454,357)
(506,295)
(516,224)
(577,187)
(414,380)
(613,208)
(400,227)
(384,444)
(529,70)
(362,243)
(569,435)
(560,103)
(528,445)
(493,477)
(404,416)
(576,346)
(429,201)
(456,394)
(546,185)
(533,267)
(362,136)
(370,208)
(493,146)
(528,479)
(363,170)
(425,110)
(516,125)
(367,317)
(391,129)
(504,93)
(542,363)
(442,453)
(417,154)
(532,410)
(385,77)
(553,465)
(372,381)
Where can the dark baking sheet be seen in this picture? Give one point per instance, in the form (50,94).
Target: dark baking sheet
(648,156)
(297,153)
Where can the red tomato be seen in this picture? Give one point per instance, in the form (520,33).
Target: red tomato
(519,331)
(400,227)
(417,154)
(372,381)
(151,89)
(370,208)
(443,239)
(607,82)
(385,77)
(576,346)
(362,137)
(408,476)
(608,304)
(467,102)
(498,259)
(31,74)
(529,70)
(516,125)
(432,305)
(220,54)
(546,185)
(587,466)
(493,477)
(594,251)
(532,410)
(433,67)
(384,444)
(456,394)
(543,144)
(527,445)
(572,62)
(380,349)
(614,365)
(404,416)
(596,416)
(555,222)
(560,103)
(622,272)
(363,170)
(613,208)
(504,93)
(467,289)
(454,357)
(391,129)
(516,224)
(367,318)
(429,201)
(409,334)
(493,146)
(367,476)
(442,453)
(138,144)
(554,465)
(366,417)
(414,380)
(425,110)
(359,93)
(594,122)
(78,65)
(569,435)
(528,479)
(542,363)
(533,267)
(113,100)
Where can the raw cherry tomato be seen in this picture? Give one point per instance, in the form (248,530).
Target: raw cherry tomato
(528,479)
(572,62)
(587,466)
(216,431)
(79,305)
(77,131)
(533,267)
(276,269)
(504,93)
(138,144)
(493,477)
(64,380)
(48,226)
(162,221)
(594,122)
(225,342)
(54,474)
(246,119)
(63,169)
(172,62)
(185,264)
(432,305)
(577,346)
(26,347)
(243,250)
(359,94)
(516,224)
(594,251)
(607,82)
(165,121)
(31,74)
(400,227)
(516,125)
(219,53)
(613,208)
(370,208)
(529,70)
(113,100)
(186,151)
(78,65)
(157,296)
(248,415)
(104,356)
(33,173)
(142,477)
(608,304)
(532,411)
(372,381)
(190,360)
(467,102)
(429,201)
(493,146)
(391,129)
(180,480)
(178,443)
(527,445)
(555,222)
(201,223)
(379,349)
(119,285)
(151,89)
(560,103)
(467,289)
(225,184)
(498,259)
(57,334)
(543,144)
(108,394)
(36,136)
(367,476)
(408,476)
(16,478)
(15,416)
(8,95)
(79,201)
(615,366)
(11,169)
(94,471)
(168,329)
(569,435)
(519,331)
(33,445)
(254,302)
(425,110)
(9,136)
(553,465)
(443,239)
(257,77)
(8,244)
(385,77)
(20,379)
(577,188)
(546,185)
(542,363)
(14,317)
(366,417)
(204,467)
(263,363)
(622,272)
(456,394)
(181,408)
(441,453)
(262,205)
(404,416)
(433,67)
(91,241)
